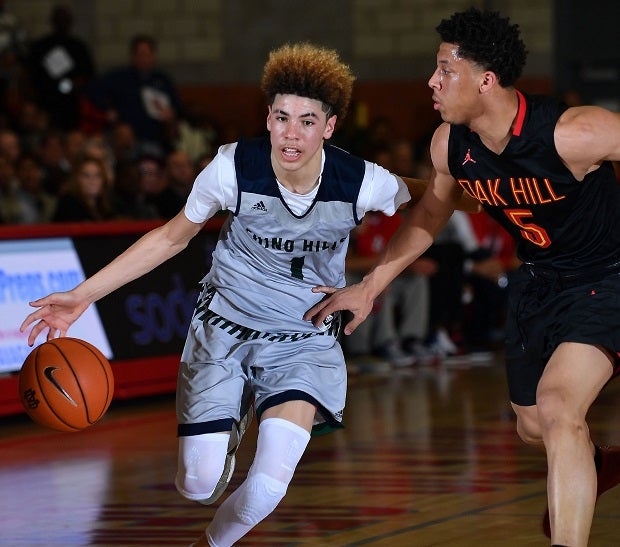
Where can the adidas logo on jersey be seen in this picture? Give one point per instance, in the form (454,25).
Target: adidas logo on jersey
(259,206)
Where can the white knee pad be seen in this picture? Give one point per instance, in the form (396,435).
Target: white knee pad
(200,465)
(279,448)
(259,498)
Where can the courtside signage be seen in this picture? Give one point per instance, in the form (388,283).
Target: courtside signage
(30,269)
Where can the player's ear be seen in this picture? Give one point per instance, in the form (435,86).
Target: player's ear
(269,118)
(330,127)
(487,80)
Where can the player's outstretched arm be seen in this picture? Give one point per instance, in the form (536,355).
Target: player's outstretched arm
(417,187)
(58,311)
(413,237)
(410,240)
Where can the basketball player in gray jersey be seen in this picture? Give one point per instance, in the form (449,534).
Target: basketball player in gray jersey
(292,201)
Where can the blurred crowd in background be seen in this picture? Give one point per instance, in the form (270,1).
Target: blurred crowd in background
(77,145)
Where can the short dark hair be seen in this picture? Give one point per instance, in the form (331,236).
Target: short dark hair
(138,39)
(487,39)
(309,71)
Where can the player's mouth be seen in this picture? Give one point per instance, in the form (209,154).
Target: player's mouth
(436,104)
(290,153)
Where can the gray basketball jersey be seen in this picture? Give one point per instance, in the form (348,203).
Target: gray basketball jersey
(268,259)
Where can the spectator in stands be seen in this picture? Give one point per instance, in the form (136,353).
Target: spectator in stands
(88,195)
(155,188)
(142,190)
(97,147)
(13,52)
(31,123)
(123,143)
(73,142)
(180,173)
(399,322)
(22,197)
(130,200)
(402,158)
(60,65)
(398,326)
(446,286)
(197,136)
(10,145)
(39,205)
(141,95)
(489,264)
(11,208)
(50,153)
(447,282)
(469,290)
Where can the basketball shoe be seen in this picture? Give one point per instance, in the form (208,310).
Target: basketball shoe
(393,353)
(607,477)
(229,465)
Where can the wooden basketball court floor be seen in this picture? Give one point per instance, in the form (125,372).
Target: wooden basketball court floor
(429,457)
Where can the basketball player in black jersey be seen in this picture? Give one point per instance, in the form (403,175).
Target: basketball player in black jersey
(543,172)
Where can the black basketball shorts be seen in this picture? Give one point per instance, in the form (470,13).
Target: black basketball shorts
(546,309)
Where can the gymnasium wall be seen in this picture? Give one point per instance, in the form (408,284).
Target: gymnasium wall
(586,50)
(227,41)
(215,49)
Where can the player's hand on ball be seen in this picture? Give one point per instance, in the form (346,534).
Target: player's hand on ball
(56,313)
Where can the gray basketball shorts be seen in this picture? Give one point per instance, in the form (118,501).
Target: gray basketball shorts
(224,366)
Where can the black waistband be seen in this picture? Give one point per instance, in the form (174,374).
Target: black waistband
(569,278)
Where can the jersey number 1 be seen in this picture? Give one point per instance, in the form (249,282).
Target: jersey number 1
(297,265)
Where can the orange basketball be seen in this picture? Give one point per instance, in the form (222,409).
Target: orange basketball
(66,384)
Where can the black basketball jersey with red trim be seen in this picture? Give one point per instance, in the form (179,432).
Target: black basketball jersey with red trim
(557,221)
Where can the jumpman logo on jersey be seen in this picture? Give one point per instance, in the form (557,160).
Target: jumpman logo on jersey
(468,157)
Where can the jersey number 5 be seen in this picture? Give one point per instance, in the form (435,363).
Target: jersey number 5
(532,232)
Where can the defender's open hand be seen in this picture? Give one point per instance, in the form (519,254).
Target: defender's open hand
(353,298)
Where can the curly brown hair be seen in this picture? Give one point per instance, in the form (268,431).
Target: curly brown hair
(310,71)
